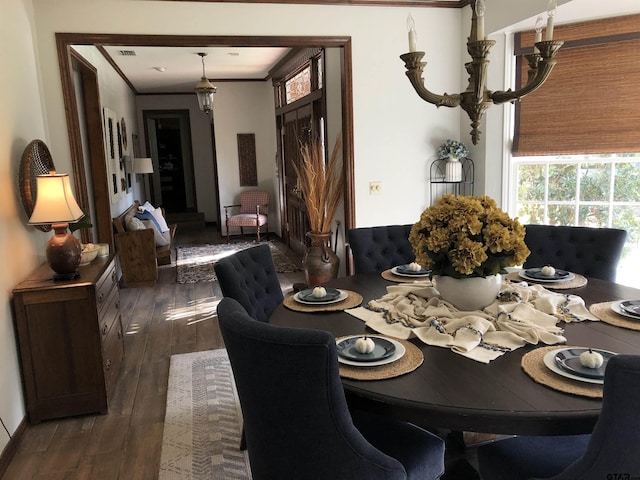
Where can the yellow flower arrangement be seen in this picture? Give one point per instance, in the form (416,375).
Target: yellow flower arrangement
(467,237)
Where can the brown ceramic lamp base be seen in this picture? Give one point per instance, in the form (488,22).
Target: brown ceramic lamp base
(63,253)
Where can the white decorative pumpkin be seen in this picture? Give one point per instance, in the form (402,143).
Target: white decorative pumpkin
(548,271)
(414,267)
(365,345)
(319,292)
(591,359)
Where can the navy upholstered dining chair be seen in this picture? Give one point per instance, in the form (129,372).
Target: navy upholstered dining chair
(250,277)
(593,252)
(612,449)
(376,249)
(296,418)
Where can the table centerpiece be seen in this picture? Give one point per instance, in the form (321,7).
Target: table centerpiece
(467,242)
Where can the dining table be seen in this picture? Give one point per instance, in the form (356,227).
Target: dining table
(451,391)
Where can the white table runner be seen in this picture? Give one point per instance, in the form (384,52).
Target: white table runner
(522,314)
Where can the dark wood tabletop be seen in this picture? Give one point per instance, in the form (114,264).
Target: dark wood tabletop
(454,392)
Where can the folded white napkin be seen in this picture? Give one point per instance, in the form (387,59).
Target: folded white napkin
(522,314)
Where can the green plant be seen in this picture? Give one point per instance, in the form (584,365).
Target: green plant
(84,222)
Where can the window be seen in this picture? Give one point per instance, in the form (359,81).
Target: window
(299,85)
(576,146)
(585,190)
(300,79)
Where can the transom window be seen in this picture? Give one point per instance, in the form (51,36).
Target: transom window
(299,85)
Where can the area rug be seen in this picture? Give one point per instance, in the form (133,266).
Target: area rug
(195,264)
(202,425)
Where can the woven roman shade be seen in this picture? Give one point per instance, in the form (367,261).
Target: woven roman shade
(590,104)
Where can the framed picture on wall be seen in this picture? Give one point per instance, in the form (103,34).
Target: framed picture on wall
(115,162)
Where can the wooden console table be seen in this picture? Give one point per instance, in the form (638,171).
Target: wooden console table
(70,340)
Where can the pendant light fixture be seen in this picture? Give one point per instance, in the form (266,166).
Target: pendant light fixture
(205,89)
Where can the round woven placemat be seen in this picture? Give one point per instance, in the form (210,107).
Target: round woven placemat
(577,282)
(353,299)
(392,277)
(604,312)
(533,365)
(411,360)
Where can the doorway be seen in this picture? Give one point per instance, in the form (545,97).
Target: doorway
(169,142)
(66,41)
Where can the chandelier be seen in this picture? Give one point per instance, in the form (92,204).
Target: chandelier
(476,99)
(205,89)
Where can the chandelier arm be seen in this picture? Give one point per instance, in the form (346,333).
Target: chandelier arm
(540,66)
(414,72)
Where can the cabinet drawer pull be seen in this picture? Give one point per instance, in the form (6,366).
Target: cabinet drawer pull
(104,329)
(118,305)
(108,365)
(101,297)
(114,278)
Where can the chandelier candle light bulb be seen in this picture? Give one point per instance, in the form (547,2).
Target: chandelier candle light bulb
(539,24)
(480,9)
(413,36)
(551,11)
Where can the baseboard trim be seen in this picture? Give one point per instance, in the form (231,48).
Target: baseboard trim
(12,447)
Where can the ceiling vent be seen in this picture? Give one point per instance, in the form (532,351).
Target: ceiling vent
(128,53)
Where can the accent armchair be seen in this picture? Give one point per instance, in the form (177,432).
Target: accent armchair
(296,418)
(254,212)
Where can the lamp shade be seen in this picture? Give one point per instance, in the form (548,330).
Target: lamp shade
(55,202)
(142,165)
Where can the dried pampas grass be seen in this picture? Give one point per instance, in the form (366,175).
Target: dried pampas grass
(321,185)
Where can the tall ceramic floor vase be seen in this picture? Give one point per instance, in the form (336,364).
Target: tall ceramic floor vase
(320,263)
(471,293)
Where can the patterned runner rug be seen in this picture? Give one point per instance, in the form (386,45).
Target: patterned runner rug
(202,425)
(195,264)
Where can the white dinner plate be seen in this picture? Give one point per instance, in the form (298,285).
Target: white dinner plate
(398,354)
(523,274)
(550,362)
(395,271)
(615,306)
(343,296)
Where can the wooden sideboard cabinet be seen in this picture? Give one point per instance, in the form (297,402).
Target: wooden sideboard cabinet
(70,340)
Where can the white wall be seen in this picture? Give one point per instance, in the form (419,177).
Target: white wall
(22,120)
(245,107)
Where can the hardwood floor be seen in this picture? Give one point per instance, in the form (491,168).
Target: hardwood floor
(125,444)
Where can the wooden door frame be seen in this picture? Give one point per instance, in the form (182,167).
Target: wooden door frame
(101,216)
(65,42)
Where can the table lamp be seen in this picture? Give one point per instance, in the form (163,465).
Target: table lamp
(56,205)
(142,165)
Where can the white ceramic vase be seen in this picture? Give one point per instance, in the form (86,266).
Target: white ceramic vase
(472,293)
(453,170)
